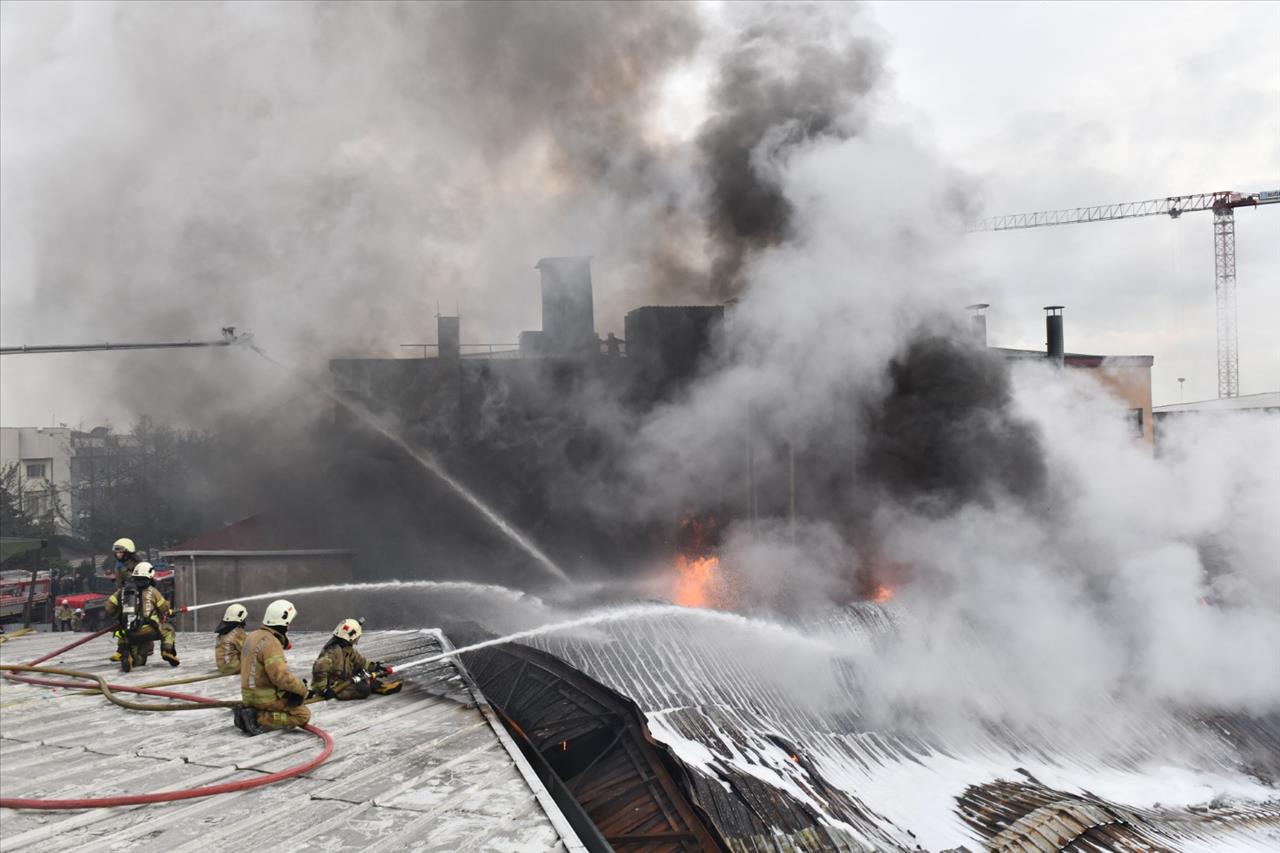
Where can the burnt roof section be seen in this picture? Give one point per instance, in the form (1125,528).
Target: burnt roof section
(427,769)
(774,772)
(595,743)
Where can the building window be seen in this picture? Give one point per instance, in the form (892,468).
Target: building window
(35,471)
(1135,422)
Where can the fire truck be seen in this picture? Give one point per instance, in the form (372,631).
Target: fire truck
(15,589)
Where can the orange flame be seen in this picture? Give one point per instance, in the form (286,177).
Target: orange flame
(696,577)
(882,594)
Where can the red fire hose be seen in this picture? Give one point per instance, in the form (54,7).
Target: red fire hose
(163,796)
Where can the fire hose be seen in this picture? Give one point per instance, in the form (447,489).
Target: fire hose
(189,703)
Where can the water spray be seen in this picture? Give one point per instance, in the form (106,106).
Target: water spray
(441,586)
(430,464)
(635,611)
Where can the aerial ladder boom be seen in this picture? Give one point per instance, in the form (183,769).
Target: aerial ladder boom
(1223,205)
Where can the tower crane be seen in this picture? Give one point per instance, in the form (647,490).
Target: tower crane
(1223,205)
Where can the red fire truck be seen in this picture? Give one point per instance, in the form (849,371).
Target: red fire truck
(15,590)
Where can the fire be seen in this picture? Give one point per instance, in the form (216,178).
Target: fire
(882,594)
(696,577)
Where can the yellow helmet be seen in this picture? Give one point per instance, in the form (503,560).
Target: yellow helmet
(124,543)
(349,630)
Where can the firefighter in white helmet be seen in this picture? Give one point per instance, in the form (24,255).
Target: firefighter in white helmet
(143,613)
(230,639)
(272,695)
(341,672)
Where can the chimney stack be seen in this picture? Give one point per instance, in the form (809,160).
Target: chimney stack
(568,321)
(448,337)
(979,320)
(1053,333)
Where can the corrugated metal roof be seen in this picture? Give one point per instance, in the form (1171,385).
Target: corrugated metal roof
(777,772)
(1269,400)
(427,769)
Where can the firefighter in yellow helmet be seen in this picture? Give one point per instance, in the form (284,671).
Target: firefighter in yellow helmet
(143,613)
(230,639)
(126,557)
(272,695)
(127,560)
(341,672)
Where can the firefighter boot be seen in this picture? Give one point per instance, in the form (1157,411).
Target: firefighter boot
(386,688)
(170,654)
(246,720)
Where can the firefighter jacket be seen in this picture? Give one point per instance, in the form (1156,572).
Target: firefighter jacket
(152,606)
(226,651)
(264,673)
(64,613)
(334,668)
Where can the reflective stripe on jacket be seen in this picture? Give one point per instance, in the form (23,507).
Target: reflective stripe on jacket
(264,673)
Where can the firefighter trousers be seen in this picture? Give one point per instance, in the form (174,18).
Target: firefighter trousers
(278,714)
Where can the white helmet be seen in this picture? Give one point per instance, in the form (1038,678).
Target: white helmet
(349,630)
(124,543)
(235,613)
(144,570)
(279,614)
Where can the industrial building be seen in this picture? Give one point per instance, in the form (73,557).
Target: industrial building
(254,556)
(1127,378)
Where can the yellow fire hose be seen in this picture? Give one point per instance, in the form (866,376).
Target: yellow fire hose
(21,632)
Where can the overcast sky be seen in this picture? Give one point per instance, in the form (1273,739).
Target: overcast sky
(1043,106)
(1058,105)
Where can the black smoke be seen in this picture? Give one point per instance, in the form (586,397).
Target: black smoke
(946,434)
(791,77)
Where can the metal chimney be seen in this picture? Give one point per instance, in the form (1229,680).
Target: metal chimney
(1053,333)
(448,336)
(568,320)
(979,321)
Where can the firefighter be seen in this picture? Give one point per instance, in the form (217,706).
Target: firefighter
(272,695)
(126,556)
(230,639)
(143,614)
(341,672)
(127,560)
(64,615)
(77,620)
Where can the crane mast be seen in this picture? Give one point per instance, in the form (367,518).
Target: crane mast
(1223,205)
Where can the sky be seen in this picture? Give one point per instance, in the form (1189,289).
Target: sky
(1061,105)
(1036,106)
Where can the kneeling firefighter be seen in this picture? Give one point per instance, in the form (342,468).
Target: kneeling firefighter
(142,612)
(272,695)
(230,639)
(341,672)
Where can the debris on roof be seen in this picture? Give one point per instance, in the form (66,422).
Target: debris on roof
(427,769)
